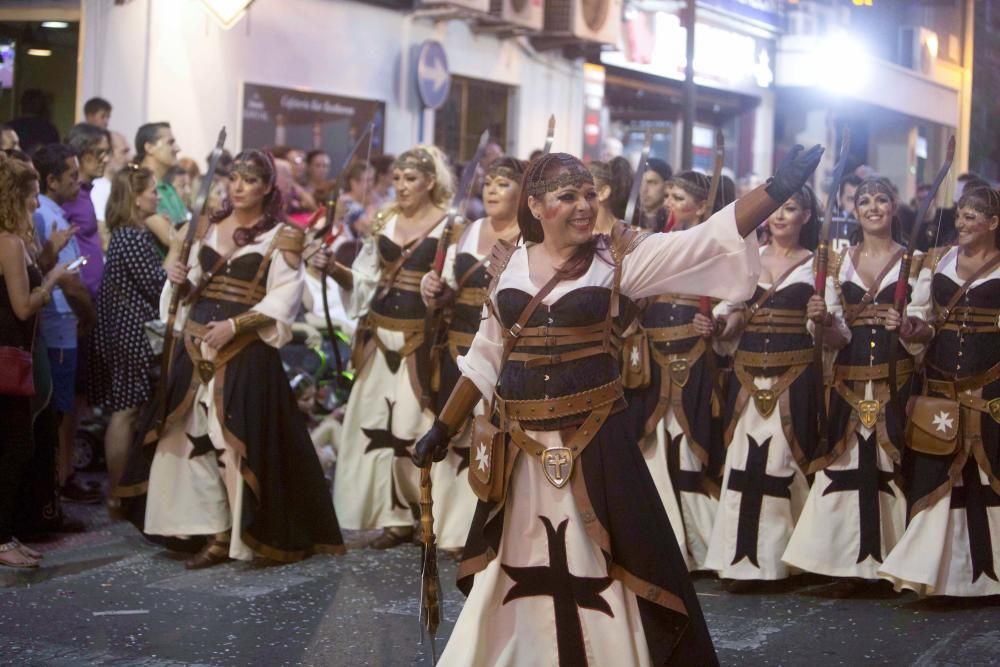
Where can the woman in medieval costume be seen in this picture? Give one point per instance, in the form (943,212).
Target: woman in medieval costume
(770,425)
(613,182)
(571,559)
(952,466)
(229,456)
(854,513)
(462,292)
(375,486)
(678,409)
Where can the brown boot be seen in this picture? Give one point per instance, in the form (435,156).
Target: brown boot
(392,537)
(215,552)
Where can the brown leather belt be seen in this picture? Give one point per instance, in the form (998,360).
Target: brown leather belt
(563,406)
(777,320)
(952,388)
(206,369)
(405,280)
(666,334)
(681,300)
(395,323)
(772,359)
(472,296)
(460,338)
(876,372)
(870,315)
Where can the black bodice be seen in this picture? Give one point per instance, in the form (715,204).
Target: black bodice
(659,314)
(794,297)
(399,302)
(869,343)
(207,309)
(962,353)
(465,316)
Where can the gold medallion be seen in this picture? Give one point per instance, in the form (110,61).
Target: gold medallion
(679,371)
(868,412)
(557,464)
(206,371)
(764,400)
(994,406)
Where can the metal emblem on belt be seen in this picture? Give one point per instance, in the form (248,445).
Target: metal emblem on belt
(764,400)
(206,371)
(994,406)
(557,464)
(679,370)
(868,412)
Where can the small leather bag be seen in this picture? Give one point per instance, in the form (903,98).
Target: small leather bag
(635,361)
(16,378)
(933,425)
(487,460)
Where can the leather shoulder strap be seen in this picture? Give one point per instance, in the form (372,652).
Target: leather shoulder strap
(777,284)
(511,335)
(499,257)
(957,296)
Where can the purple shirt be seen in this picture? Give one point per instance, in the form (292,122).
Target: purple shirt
(80,212)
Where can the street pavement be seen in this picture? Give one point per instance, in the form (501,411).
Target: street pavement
(107,597)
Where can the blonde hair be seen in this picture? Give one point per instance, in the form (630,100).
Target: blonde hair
(444,185)
(16,179)
(126,186)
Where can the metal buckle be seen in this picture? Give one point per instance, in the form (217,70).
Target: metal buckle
(868,412)
(994,407)
(515,330)
(557,465)
(679,370)
(206,371)
(764,400)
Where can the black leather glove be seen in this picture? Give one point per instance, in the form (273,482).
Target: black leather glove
(434,444)
(793,172)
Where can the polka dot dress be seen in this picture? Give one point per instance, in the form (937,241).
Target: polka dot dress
(121,358)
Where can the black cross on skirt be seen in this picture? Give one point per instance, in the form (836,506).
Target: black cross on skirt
(379,438)
(868,480)
(688,481)
(974,498)
(753,484)
(568,593)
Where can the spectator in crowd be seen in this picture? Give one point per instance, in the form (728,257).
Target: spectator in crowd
(156,149)
(356,198)
(192,169)
(34,126)
(97,111)
(220,183)
(23,292)
(383,192)
(297,158)
(848,186)
(121,357)
(297,200)
(180,181)
(8,139)
(653,194)
(120,152)
(71,308)
(317,173)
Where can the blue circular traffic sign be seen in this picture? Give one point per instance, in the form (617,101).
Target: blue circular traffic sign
(433,77)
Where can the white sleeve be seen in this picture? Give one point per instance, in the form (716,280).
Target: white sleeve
(920,304)
(282,300)
(448,270)
(724,309)
(482,363)
(711,259)
(367,271)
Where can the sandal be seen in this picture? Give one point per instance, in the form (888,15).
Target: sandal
(12,556)
(215,552)
(26,550)
(392,537)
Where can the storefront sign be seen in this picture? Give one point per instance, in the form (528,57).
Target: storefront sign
(308,120)
(655,43)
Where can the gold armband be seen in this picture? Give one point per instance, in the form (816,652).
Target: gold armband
(250,321)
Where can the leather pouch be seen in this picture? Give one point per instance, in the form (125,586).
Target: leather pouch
(933,425)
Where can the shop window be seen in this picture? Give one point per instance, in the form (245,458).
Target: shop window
(472,106)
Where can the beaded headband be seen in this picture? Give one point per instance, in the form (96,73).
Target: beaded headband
(693,185)
(503,172)
(247,167)
(418,159)
(873,186)
(574,174)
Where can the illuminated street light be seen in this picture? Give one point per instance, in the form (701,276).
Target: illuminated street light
(842,63)
(40,52)
(55,25)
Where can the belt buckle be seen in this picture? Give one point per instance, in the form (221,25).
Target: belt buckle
(941,387)
(868,412)
(206,371)
(679,370)
(557,465)
(994,406)
(764,400)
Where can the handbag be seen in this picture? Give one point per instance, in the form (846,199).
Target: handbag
(933,426)
(17,378)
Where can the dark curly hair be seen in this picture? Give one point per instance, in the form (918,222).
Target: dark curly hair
(261,164)
(985,200)
(809,233)
(875,185)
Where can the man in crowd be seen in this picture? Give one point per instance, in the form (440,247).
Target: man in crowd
(33,125)
(71,308)
(97,111)
(653,193)
(156,149)
(120,152)
(9,139)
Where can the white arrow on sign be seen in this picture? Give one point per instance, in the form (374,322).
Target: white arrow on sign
(435,72)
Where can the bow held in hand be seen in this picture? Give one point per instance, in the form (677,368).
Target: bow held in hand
(433,444)
(793,172)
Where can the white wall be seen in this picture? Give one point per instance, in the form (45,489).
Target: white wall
(168,60)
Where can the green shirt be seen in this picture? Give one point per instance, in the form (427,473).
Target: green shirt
(171,206)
